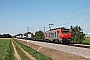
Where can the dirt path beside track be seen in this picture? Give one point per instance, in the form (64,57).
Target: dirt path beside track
(17,56)
(54,54)
(26,53)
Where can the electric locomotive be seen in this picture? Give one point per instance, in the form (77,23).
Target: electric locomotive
(58,35)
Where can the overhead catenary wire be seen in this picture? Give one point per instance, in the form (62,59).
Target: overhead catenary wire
(63,19)
(73,11)
(77,17)
(66,20)
(77,20)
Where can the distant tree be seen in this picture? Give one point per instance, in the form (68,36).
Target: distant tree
(0,35)
(39,34)
(77,34)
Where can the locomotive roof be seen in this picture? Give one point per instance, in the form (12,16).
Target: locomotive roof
(58,28)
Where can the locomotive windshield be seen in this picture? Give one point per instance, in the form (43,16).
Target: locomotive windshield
(65,31)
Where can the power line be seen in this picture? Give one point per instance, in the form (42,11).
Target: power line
(77,16)
(77,21)
(70,19)
(73,11)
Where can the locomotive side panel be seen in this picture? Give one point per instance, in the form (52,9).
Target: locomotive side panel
(51,35)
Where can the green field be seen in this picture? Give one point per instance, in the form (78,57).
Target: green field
(6,51)
(86,41)
(87,38)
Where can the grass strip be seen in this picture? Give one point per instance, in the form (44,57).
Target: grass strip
(21,53)
(12,51)
(86,42)
(33,52)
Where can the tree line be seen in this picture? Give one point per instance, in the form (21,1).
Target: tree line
(5,36)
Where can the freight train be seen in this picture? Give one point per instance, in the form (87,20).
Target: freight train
(58,35)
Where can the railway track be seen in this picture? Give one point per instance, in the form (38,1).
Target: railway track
(80,45)
(76,45)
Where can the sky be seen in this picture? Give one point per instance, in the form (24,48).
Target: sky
(17,15)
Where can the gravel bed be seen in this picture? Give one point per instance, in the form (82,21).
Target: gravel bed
(84,52)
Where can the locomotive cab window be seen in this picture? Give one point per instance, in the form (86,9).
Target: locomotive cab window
(65,30)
